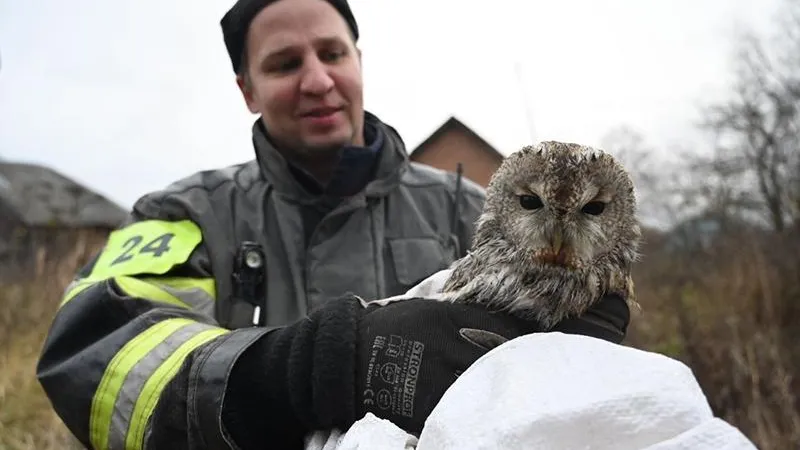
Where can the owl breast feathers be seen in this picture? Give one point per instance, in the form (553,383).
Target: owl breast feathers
(558,231)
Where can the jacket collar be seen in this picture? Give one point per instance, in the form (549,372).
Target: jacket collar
(391,160)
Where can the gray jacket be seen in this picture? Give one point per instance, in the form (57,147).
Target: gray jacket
(161,295)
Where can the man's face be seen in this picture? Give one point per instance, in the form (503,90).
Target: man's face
(304,76)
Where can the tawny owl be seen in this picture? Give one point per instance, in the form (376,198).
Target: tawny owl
(558,231)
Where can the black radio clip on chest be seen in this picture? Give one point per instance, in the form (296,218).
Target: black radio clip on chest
(249,273)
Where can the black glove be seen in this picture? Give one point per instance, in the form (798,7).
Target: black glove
(396,361)
(328,370)
(607,319)
(411,351)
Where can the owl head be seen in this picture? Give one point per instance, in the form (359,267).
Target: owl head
(562,205)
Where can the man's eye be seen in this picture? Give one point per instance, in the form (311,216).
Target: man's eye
(288,65)
(331,56)
(284,65)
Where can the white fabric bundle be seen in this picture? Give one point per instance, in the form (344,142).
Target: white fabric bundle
(556,391)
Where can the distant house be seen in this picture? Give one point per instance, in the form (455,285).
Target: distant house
(44,211)
(454,142)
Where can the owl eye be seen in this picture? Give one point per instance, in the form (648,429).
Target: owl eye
(594,208)
(530,201)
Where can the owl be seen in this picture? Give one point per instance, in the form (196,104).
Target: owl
(558,232)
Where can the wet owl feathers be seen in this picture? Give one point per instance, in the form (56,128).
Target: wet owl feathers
(557,232)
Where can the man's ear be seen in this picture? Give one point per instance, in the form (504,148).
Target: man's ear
(247,93)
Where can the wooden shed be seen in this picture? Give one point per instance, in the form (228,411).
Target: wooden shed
(44,214)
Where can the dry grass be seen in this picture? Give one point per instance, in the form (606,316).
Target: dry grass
(26,310)
(26,419)
(730,312)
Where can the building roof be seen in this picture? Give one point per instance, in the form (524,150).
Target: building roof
(39,196)
(453,124)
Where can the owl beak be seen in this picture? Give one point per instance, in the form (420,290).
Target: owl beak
(557,241)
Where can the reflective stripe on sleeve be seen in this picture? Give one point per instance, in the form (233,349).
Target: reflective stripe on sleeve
(76,287)
(190,293)
(135,378)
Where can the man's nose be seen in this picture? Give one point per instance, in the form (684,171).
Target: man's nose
(316,80)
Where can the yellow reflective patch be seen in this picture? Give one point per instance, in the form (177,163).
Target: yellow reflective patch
(147,247)
(207,285)
(142,289)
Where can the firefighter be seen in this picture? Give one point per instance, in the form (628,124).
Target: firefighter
(227,311)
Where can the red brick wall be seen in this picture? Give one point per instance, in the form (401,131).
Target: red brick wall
(454,146)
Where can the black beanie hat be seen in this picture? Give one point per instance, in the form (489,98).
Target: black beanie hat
(236,22)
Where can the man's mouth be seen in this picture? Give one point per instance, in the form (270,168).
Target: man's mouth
(321,112)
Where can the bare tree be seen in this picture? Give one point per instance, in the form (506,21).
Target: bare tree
(665,189)
(757,127)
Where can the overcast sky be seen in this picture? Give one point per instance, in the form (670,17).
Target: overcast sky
(129,95)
